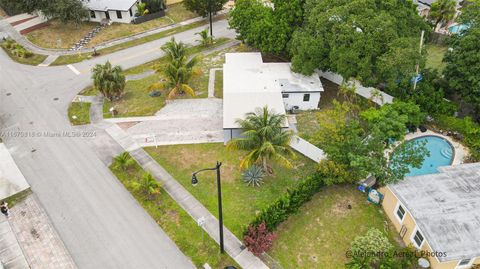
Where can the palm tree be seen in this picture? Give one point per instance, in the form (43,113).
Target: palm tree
(147,185)
(443,11)
(205,39)
(108,80)
(264,138)
(123,161)
(178,72)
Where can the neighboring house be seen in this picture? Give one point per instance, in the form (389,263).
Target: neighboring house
(423,6)
(249,83)
(439,213)
(122,11)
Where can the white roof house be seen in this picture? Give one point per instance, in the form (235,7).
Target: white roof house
(249,83)
(104,5)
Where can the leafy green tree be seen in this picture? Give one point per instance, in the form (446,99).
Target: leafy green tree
(202,7)
(463,65)
(179,70)
(147,184)
(123,161)
(374,241)
(443,11)
(69,11)
(264,139)
(470,12)
(350,36)
(267,27)
(108,80)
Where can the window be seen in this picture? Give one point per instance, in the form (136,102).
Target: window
(131,13)
(400,212)
(92,14)
(306,97)
(119,14)
(464,262)
(418,238)
(285,95)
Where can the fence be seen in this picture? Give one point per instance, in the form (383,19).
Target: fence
(149,17)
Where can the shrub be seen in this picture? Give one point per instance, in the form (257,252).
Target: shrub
(289,203)
(467,128)
(258,239)
(253,175)
(373,242)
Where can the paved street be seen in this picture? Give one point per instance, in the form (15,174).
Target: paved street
(100,223)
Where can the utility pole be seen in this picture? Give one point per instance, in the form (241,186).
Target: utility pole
(418,61)
(210,15)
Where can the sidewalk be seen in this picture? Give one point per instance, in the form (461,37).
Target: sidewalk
(233,246)
(9,29)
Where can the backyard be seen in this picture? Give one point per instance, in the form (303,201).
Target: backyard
(435,56)
(321,233)
(240,202)
(174,221)
(63,36)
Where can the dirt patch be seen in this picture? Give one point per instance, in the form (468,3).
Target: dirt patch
(343,207)
(127,125)
(174,216)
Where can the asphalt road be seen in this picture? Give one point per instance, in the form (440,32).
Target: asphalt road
(99,221)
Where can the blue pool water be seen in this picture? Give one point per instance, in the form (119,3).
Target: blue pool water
(441,154)
(457,28)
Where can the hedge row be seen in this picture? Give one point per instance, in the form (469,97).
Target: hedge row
(467,127)
(290,202)
(10,7)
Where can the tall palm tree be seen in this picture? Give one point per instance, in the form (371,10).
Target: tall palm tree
(443,11)
(264,138)
(108,80)
(178,72)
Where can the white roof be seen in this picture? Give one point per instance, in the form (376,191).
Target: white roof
(104,5)
(249,83)
(446,207)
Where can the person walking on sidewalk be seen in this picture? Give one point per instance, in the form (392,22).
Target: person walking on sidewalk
(4,208)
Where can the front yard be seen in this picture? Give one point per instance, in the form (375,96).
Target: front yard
(240,202)
(63,36)
(320,234)
(175,222)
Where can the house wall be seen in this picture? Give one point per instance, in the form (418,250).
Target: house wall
(389,205)
(229,134)
(126,18)
(296,99)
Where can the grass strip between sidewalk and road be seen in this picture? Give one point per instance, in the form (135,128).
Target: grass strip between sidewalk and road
(175,222)
(75,58)
(79,113)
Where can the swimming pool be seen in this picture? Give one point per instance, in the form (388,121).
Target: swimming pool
(441,154)
(456,29)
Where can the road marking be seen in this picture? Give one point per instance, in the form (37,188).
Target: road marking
(74,70)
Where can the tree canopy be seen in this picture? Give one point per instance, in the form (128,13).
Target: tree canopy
(64,10)
(267,27)
(355,37)
(463,65)
(443,11)
(202,7)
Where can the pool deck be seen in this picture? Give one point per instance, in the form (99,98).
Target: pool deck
(460,151)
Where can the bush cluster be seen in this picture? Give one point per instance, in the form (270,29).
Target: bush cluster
(469,130)
(289,203)
(16,49)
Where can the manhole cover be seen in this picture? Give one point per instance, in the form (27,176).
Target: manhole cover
(9,93)
(55,99)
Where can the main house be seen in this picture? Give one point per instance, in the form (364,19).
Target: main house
(249,83)
(439,214)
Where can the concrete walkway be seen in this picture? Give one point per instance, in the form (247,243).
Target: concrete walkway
(11,255)
(233,246)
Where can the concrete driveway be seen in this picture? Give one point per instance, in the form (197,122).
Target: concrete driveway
(185,121)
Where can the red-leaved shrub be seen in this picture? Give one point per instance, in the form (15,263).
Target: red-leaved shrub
(258,239)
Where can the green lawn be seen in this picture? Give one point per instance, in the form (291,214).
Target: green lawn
(240,202)
(320,234)
(175,222)
(219,84)
(136,100)
(435,56)
(34,59)
(89,91)
(178,13)
(81,111)
(70,59)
